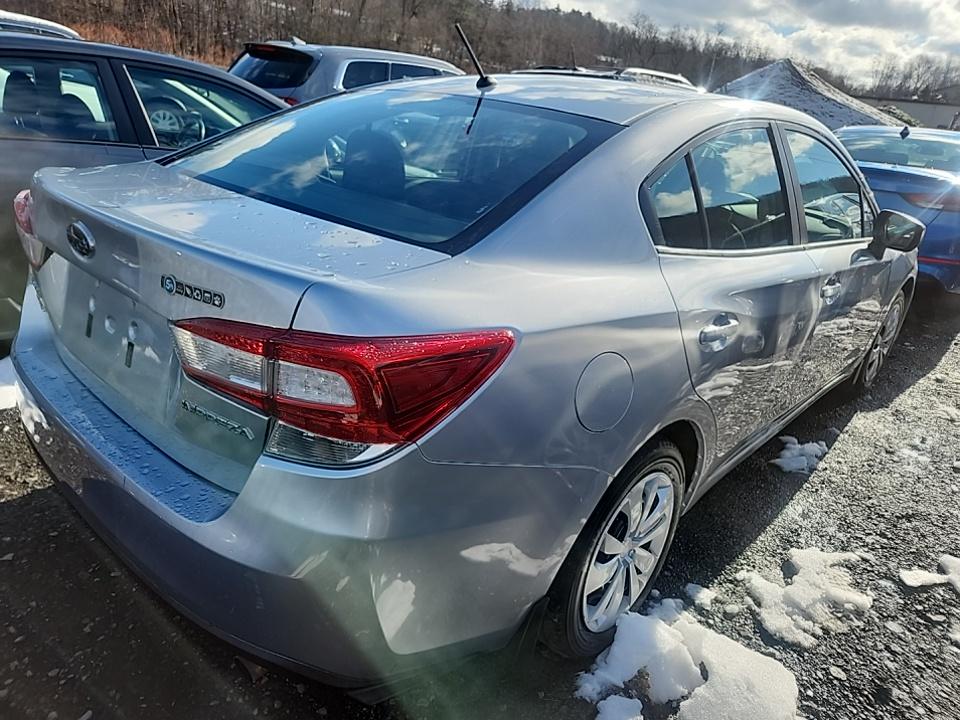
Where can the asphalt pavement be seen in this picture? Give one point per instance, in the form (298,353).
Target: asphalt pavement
(82,638)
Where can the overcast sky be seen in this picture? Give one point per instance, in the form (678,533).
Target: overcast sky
(843,34)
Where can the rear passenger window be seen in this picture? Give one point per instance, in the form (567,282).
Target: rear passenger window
(55,99)
(364,72)
(833,204)
(399,71)
(676,207)
(742,191)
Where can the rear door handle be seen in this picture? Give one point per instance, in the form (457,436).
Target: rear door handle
(717,335)
(831,291)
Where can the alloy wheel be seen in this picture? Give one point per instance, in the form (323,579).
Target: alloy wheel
(882,344)
(628,551)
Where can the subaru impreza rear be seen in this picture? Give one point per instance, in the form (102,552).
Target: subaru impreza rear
(291,402)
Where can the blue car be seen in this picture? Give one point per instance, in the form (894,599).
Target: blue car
(917,173)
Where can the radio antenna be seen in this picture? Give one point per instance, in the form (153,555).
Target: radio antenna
(485,80)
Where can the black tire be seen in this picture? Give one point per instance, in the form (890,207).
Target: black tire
(564,630)
(883,341)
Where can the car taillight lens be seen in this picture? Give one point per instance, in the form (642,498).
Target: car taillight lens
(35,250)
(949,200)
(340,399)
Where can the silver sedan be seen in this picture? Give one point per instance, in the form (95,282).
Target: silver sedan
(381,380)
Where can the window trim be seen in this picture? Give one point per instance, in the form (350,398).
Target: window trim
(652,220)
(843,156)
(342,72)
(113,97)
(147,136)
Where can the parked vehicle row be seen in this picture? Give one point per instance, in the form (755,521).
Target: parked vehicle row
(917,171)
(296,71)
(382,381)
(73,103)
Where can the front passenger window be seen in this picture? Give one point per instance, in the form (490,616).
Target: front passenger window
(833,206)
(183,109)
(742,190)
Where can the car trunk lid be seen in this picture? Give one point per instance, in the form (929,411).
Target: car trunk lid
(137,247)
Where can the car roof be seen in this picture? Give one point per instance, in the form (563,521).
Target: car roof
(23,41)
(602,98)
(36,24)
(359,53)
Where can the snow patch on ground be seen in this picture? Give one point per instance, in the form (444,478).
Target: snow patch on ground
(617,707)
(670,646)
(918,578)
(799,457)
(8,394)
(648,643)
(818,598)
(701,596)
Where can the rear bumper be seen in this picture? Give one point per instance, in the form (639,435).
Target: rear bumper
(352,578)
(939,256)
(944,272)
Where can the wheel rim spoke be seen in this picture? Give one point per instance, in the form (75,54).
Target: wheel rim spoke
(655,531)
(644,560)
(600,574)
(612,598)
(636,587)
(613,546)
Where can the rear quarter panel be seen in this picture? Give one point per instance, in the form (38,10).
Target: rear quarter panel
(575,275)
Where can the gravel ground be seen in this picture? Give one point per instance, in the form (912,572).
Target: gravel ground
(82,638)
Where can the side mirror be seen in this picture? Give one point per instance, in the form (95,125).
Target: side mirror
(897,231)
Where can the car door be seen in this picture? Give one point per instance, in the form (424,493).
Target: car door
(836,229)
(177,108)
(745,290)
(55,110)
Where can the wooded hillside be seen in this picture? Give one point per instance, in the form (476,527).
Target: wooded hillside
(508,34)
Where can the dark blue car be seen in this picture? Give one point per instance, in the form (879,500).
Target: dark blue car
(919,174)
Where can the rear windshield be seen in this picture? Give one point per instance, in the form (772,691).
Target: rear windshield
(269,66)
(911,151)
(432,170)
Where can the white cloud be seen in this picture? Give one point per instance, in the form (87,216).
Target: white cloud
(846,35)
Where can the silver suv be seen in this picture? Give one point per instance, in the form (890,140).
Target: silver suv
(296,71)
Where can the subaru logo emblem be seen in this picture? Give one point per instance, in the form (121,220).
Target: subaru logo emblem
(169,283)
(81,240)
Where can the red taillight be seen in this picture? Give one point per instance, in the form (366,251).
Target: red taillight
(290,100)
(361,391)
(948,200)
(22,210)
(35,250)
